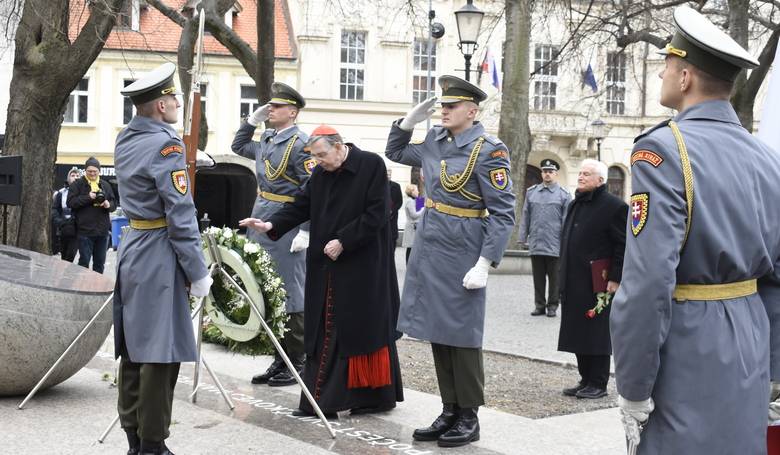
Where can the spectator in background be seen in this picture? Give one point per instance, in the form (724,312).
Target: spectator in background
(595,228)
(540,227)
(91,200)
(396,200)
(412,215)
(63,220)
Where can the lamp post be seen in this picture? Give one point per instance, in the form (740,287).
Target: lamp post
(598,134)
(469,20)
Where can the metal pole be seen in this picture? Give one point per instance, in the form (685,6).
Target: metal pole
(598,149)
(108,430)
(281,352)
(468,66)
(72,343)
(431,15)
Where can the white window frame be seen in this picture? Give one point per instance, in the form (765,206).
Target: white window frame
(616,86)
(546,80)
(126,100)
(75,99)
(253,103)
(135,16)
(359,92)
(420,56)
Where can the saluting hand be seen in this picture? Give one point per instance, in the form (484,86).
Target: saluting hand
(333,249)
(257,224)
(419,113)
(259,115)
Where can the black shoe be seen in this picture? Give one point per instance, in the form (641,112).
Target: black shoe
(133,441)
(372,409)
(276,367)
(285,377)
(550,312)
(538,312)
(465,430)
(445,421)
(592,392)
(154,448)
(302,413)
(572,391)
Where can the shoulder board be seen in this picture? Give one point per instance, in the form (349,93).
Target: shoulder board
(565,191)
(171,147)
(651,129)
(532,187)
(492,139)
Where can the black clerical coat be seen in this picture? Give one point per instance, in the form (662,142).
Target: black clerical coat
(351,204)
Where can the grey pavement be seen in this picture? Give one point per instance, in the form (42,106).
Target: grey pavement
(69,418)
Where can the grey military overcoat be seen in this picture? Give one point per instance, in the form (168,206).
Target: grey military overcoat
(151,300)
(705,363)
(435,306)
(272,147)
(544,210)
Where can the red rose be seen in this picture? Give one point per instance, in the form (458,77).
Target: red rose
(591,314)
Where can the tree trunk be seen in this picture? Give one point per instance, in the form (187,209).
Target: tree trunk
(739,30)
(513,126)
(264,76)
(47,67)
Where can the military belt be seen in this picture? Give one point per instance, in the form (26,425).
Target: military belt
(706,292)
(455,211)
(145,225)
(276,197)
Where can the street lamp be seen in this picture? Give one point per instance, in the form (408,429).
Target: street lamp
(469,20)
(598,134)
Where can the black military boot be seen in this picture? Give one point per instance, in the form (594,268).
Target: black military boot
(285,377)
(465,430)
(276,367)
(154,448)
(446,419)
(133,441)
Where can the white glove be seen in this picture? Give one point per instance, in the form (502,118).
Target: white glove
(200,288)
(774,401)
(259,115)
(300,242)
(419,113)
(633,415)
(477,276)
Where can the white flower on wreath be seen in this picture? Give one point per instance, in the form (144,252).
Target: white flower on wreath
(227,233)
(214,230)
(251,248)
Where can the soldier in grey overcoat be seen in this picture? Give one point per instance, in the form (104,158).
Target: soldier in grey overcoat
(158,258)
(283,167)
(469,217)
(544,210)
(689,326)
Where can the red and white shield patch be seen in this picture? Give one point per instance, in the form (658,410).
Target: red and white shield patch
(179,180)
(499,179)
(310,164)
(640,207)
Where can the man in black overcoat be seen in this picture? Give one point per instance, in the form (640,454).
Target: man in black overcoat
(351,300)
(595,228)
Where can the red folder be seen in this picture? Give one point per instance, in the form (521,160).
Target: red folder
(599,273)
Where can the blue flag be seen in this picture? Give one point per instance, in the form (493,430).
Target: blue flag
(589,79)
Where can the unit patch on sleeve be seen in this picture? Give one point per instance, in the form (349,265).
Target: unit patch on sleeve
(176,148)
(499,178)
(179,180)
(309,165)
(416,141)
(499,154)
(646,156)
(640,210)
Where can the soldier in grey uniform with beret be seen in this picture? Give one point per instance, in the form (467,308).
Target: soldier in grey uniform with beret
(689,324)
(544,209)
(465,230)
(283,167)
(160,256)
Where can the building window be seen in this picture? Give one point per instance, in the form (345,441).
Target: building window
(615,181)
(129,15)
(353,60)
(128,108)
(248,100)
(616,83)
(78,103)
(545,77)
(421,64)
(203,91)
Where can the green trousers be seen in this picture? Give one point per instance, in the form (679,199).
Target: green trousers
(293,339)
(461,375)
(146,398)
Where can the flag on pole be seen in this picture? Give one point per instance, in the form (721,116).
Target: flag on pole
(589,79)
(770,114)
(489,67)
